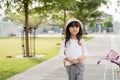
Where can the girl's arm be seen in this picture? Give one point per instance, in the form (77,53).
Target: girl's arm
(84,51)
(72,61)
(81,58)
(84,48)
(62,49)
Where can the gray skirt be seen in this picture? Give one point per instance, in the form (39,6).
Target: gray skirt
(76,71)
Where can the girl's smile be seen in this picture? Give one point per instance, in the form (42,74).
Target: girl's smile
(74,30)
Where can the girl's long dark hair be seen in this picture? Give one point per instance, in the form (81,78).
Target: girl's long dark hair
(67,32)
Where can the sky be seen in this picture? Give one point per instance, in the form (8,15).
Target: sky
(112,10)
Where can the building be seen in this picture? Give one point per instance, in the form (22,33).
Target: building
(98,26)
(9,29)
(49,27)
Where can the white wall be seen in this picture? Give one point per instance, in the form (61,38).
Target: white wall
(8,28)
(116,27)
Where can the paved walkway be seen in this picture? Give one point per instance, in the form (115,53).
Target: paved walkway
(53,69)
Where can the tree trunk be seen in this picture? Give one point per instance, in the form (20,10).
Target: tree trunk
(26,28)
(64,19)
(63,31)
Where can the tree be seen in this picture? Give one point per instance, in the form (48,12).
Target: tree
(16,17)
(65,6)
(107,23)
(86,10)
(57,9)
(24,6)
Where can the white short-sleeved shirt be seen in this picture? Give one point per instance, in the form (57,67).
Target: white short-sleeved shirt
(73,49)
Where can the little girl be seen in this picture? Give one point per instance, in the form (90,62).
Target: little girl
(73,50)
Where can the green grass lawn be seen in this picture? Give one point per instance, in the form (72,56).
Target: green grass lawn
(12,47)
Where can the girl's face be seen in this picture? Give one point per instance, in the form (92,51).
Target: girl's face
(74,30)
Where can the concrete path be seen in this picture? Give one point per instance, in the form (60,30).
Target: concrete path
(53,69)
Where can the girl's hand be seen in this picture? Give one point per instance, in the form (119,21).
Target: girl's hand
(72,61)
(82,58)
